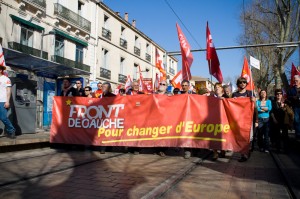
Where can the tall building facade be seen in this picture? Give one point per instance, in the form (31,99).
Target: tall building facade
(46,40)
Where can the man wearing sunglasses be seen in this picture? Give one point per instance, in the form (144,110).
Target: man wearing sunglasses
(243,92)
(79,89)
(88,92)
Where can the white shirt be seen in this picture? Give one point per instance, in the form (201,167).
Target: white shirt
(4,83)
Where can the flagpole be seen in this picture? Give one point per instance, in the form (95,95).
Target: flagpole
(251,83)
(211,87)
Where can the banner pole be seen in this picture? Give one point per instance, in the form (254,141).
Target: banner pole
(211,88)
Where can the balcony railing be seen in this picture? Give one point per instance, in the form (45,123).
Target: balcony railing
(70,63)
(123,43)
(26,49)
(105,73)
(106,33)
(122,78)
(172,71)
(37,3)
(148,57)
(137,51)
(72,17)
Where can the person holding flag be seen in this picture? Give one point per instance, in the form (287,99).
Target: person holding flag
(5,93)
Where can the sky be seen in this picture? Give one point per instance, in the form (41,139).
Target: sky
(157,20)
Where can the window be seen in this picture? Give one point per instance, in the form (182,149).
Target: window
(122,32)
(148,50)
(80,5)
(135,71)
(59,46)
(26,36)
(79,53)
(136,42)
(106,21)
(104,58)
(122,69)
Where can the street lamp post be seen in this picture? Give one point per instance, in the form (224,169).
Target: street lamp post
(42,36)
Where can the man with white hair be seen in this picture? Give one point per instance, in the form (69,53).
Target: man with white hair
(294,97)
(5,92)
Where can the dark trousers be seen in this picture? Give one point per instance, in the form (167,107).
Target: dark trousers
(263,133)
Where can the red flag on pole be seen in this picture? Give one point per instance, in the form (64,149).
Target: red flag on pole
(246,73)
(212,57)
(128,83)
(156,83)
(294,72)
(176,81)
(159,65)
(142,86)
(187,57)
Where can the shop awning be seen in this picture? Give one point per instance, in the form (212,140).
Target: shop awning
(65,35)
(28,23)
(41,67)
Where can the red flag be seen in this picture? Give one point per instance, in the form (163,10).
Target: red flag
(142,86)
(294,72)
(156,83)
(212,57)
(2,61)
(246,73)
(159,65)
(128,83)
(176,81)
(187,57)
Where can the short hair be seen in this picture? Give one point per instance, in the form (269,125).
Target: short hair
(122,90)
(176,90)
(99,83)
(278,90)
(187,81)
(88,87)
(241,79)
(66,79)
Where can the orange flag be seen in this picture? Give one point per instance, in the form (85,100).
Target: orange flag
(176,81)
(160,66)
(246,73)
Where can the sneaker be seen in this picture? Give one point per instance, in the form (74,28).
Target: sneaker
(162,154)
(11,135)
(136,153)
(267,151)
(187,154)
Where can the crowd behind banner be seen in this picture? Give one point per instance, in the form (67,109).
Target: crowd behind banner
(272,118)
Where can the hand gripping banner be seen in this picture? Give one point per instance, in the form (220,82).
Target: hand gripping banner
(153,121)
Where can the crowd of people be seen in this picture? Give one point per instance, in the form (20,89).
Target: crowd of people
(271,120)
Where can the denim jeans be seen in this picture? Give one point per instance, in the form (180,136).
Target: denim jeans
(263,133)
(3,117)
(297,121)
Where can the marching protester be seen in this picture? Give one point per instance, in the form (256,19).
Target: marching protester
(68,89)
(227,90)
(219,93)
(135,89)
(294,98)
(264,106)
(88,92)
(241,84)
(162,90)
(122,92)
(176,91)
(279,126)
(185,85)
(98,92)
(5,93)
(106,92)
(79,89)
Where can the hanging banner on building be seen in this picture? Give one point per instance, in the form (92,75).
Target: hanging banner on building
(153,121)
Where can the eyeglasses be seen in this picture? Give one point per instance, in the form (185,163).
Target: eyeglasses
(86,90)
(278,93)
(184,85)
(78,82)
(243,82)
(136,85)
(162,84)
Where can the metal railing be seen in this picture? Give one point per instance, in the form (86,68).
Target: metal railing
(37,3)
(123,43)
(148,57)
(106,33)
(122,78)
(70,63)
(137,51)
(172,71)
(72,17)
(105,73)
(27,50)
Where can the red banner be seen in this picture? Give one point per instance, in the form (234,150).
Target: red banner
(153,121)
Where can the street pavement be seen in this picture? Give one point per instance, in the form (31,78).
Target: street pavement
(72,173)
